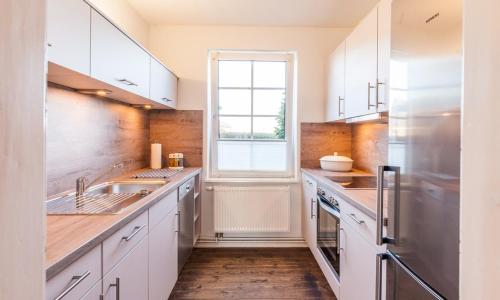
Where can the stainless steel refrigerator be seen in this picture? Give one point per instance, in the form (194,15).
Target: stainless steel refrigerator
(423,172)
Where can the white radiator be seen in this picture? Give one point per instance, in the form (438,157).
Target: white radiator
(251,209)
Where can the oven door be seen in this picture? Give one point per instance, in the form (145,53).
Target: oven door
(328,229)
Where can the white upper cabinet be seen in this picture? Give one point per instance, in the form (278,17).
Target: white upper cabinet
(163,84)
(335,109)
(366,64)
(384,53)
(361,68)
(68,34)
(116,59)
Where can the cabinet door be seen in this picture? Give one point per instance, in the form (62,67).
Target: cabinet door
(361,68)
(336,85)
(94,293)
(129,277)
(384,54)
(163,84)
(116,59)
(357,265)
(310,209)
(163,257)
(68,34)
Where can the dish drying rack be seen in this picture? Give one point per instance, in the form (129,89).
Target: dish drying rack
(156,173)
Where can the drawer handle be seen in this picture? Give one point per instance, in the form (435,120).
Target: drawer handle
(136,231)
(70,287)
(127,82)
(353,216)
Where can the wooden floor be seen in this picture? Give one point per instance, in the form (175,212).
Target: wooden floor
(252,273)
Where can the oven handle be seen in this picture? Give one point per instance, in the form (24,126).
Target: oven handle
(328,209)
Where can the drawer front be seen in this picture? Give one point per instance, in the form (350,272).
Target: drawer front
(365,225)
(161,209)
(78,278)
(121,242)
(94,293)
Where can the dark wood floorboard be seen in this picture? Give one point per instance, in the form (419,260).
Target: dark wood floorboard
(252,273)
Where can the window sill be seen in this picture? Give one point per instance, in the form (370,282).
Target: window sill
(252,180)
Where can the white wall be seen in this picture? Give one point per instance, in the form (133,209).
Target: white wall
(185,50)
(122,13)
(480,204)
(22,149)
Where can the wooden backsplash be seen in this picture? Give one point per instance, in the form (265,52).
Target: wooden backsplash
(320,139)
(366,144)
(86,135)
(369,146)
(179,131)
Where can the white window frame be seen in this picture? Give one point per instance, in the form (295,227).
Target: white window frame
(213,114)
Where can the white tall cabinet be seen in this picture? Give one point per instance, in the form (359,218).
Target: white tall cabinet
(335,109)
(68,34)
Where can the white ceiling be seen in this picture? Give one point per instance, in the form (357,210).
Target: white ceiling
(318,13)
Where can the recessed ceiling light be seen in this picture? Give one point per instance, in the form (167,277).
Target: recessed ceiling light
(147,106)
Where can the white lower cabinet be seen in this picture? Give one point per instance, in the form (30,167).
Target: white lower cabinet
(357,265)
(310,211)
(94,293)
(129,278)
(163,257)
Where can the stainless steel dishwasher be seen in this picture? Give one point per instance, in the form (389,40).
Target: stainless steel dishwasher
(186,222)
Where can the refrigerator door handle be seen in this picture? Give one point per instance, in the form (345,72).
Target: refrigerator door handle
(380,201)
(378,276)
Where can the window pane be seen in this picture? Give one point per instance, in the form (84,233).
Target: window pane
(235,73)
(252,156)
(269,74)
(269,102)
(235,127)
(235,102)
(268,128)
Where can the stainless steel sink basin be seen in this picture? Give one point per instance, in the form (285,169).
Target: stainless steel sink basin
(106,198)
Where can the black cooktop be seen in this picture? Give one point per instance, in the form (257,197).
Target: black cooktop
(355,182)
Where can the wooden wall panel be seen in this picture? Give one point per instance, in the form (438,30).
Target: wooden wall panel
(320,139)
(179,131)
(86,135)
(369,146)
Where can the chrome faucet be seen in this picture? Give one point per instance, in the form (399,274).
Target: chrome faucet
(81,182)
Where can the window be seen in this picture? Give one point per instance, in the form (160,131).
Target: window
(251,102)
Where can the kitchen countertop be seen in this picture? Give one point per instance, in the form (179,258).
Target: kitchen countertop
(69,237)
(363,199)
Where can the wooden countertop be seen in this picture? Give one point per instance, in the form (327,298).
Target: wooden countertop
(364,200)
(70,237)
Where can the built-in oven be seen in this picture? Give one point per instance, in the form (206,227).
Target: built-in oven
(329,228)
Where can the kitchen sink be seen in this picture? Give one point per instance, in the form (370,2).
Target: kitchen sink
(105,198)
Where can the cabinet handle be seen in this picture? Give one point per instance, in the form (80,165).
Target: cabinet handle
(166,99)
(136,231)
(77,280)
(312,208)
(379,83)
(127,82)
(117,286)
(178,214)
(370,87)
(340,112)
(49,44)
(353,216)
